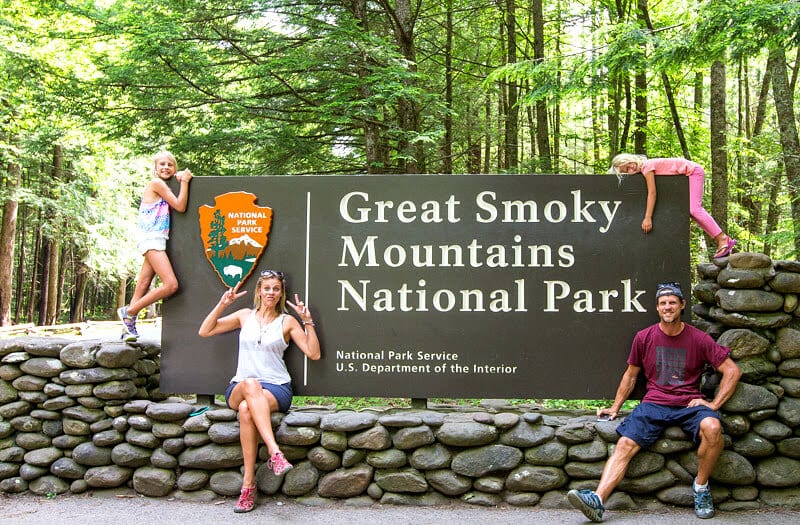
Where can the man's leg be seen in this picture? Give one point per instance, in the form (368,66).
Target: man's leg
(711,445)
(616,466)
(591,502)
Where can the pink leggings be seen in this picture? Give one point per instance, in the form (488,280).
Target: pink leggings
(696,210)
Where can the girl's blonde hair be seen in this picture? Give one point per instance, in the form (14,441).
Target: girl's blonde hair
(167,154)
(271,274)
(624,158)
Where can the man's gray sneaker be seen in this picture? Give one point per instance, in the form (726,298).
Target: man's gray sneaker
(587,502)
(703,504)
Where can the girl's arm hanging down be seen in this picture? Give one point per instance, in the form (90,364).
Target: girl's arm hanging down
(650,180)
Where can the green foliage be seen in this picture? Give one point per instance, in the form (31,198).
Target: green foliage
(280,87)
(745,27)
(218,83)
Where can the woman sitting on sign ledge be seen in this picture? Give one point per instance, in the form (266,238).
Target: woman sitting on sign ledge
(262,383)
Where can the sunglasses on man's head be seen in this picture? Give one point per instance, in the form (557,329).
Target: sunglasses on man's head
(672,284)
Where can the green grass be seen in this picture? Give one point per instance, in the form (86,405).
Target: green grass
(357,403)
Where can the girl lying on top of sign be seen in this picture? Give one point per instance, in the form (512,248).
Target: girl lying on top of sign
(627,164)
(153,224)
(262,383)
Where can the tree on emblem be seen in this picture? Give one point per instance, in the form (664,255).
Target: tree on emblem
(235,233)
(217,240)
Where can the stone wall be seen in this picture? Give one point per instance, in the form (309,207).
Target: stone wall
(83,415)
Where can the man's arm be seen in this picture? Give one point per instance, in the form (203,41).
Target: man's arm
(624,390)
(730,377)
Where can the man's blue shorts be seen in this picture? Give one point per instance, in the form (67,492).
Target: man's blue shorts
(282,393)
(648,420)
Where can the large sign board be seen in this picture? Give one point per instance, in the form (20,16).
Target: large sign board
(467,286)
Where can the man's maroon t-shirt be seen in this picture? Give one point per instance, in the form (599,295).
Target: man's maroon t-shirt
(673,364)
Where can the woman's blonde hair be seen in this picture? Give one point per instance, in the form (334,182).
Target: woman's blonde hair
(271,274)
(624,158)
(167,154)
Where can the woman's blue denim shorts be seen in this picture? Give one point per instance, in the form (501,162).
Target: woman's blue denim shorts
(283,394)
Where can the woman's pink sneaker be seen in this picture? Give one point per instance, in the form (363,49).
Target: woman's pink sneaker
(247,500)
(278,463)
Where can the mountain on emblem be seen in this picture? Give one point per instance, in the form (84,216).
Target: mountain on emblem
(235,233)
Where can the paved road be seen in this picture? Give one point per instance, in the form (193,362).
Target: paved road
(111,507)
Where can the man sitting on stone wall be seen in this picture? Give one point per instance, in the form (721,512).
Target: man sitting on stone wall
(672,355)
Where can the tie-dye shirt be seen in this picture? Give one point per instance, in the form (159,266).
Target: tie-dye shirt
(154,220)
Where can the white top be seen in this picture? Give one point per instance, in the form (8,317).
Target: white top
(261,352)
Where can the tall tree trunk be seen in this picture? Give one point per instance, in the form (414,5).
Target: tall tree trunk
(698,91)
(54,262)
(595,108)
(640,114)
(618,121)
(626,124)
(676,119)
(374,148)
(44,282)
(719,145)
(529,115)
(487,141)
(542,128)
(54,248)
(7,233)
(555,151)
(640,93)
(19,309)
(501,144)
(447,147)
(673,108)
(473,138)
(596,132)
(784,110)
(614,115)
(742,133)
(403,18)
(752,200)
(43,262)
(773,211)
(76,311)
(63,271)
(36,271)
(512,107)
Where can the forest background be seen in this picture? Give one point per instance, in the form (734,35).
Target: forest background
(91,90)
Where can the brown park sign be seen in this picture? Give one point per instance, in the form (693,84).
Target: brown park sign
(468,286)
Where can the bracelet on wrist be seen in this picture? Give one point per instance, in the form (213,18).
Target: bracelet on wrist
(309,322)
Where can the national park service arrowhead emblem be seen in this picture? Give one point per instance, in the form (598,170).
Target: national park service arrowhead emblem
(235,233)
